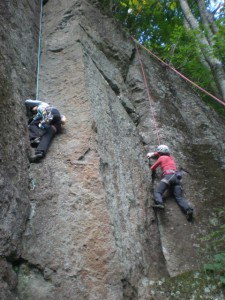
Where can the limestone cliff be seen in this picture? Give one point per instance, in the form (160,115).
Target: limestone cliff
(79,224)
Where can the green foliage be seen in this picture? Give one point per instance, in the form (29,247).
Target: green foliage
(158,24)
(216,237)
(217,266)
(194,285)
(219,39)
(216,240)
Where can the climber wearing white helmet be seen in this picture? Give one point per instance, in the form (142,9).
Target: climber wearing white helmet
(45,123)
(169,179)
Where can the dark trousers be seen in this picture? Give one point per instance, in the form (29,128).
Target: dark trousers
(35,131)
(45,140)
(171,181)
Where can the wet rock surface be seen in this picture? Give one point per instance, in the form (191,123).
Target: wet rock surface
(90,231)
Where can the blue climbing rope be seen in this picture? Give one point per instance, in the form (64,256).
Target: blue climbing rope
(39,49)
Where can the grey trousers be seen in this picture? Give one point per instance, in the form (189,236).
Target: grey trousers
(173,183)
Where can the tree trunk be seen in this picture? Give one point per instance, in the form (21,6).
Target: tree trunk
(207,17)
(205,44)
(205,22)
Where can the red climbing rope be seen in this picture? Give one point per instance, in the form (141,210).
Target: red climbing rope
(149,97)
(203,90)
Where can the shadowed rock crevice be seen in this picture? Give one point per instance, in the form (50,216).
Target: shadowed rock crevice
(33,279)
(120,58)
(82,157)
(18,54)
(129,292)
(8,280)
(113,85)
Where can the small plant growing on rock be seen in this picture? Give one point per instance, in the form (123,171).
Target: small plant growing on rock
(216,239)
(217,266)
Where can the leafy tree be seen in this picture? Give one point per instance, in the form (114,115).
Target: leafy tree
(203,27)
(188,34)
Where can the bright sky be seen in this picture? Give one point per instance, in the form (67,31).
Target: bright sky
(214,4)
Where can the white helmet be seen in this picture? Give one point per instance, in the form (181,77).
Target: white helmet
(163,149)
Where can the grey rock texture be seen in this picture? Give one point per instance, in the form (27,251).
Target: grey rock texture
(18,57)
(90,231)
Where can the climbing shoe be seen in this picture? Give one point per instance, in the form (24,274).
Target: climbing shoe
(158,205)
(189,214)
(36,158)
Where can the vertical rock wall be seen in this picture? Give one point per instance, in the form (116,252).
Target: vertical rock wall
(90,232)
(18,56)
(105,249)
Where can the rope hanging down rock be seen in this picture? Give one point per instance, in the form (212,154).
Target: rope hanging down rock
(181,75)
(39,49)
(149,97)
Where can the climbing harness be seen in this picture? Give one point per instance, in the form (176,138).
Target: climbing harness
(39,49)
(181,75)
(167,181)
(47,117)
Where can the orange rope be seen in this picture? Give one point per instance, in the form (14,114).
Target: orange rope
(149,97)
(203,90)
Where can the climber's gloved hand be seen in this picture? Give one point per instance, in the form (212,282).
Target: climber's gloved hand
(150,155)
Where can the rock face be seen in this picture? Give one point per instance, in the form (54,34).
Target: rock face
(90,231)
(18,34)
